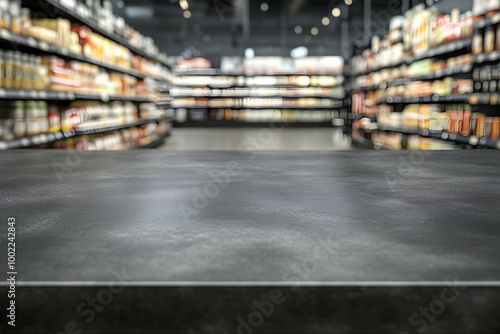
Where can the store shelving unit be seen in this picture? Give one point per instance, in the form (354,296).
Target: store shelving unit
(439,51)
(468,140)
(480,102)
(59,8)
(30,44)
(27,44)
(48,138)
(240,100)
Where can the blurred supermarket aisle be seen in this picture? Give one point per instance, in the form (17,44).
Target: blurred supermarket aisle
(262,138)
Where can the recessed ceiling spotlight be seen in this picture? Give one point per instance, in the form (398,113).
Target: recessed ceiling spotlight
(348,2)
(187,14)
(120,4)
(264,7)
(300,52)
(336,12)
(207,38)
(249,53)
(298,30)
(314,31)
(325,21)
(184,4)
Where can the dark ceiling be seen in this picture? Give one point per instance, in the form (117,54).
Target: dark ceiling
(227,27)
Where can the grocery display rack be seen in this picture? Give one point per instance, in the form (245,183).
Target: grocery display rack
(31,44)
(440,51)
(337,103)
(52,137)
(484,102)
(468,140)
(17,42)
(58,7)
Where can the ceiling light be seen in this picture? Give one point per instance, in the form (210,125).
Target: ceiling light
(348,2)
(187,14)
(325,21)
(264,7)
(314,31)
(249,53)
(336,12)
(298,30)
(184,4)
(300,52)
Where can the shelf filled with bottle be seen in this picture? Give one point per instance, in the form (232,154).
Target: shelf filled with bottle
(52,137)
(473,141)
(263,107)
(34,45)
(61,8)
(487,21)
(439,51)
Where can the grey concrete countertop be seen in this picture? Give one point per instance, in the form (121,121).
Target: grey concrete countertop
(282,217)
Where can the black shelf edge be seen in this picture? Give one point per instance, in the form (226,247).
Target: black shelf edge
(117,127)
(40,46)
(484,99)
(256,97)
(438,75)
(60,8)
(260,108)
(486,57)
(443,50)
(241,124)
(469,140)
(44,95)
(487,22)
(438,51)
(465,98)
(48,138)
(357,117)
(249,75)
(251,87)
(366,89)
(33,141)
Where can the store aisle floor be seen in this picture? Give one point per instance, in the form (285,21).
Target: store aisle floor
(261,138)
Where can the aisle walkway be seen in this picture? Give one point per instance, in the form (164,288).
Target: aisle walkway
(261,138)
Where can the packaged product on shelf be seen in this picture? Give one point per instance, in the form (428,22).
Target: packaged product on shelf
(489,39)
(76,39)
(89,115)
(486,8)
(21,119)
